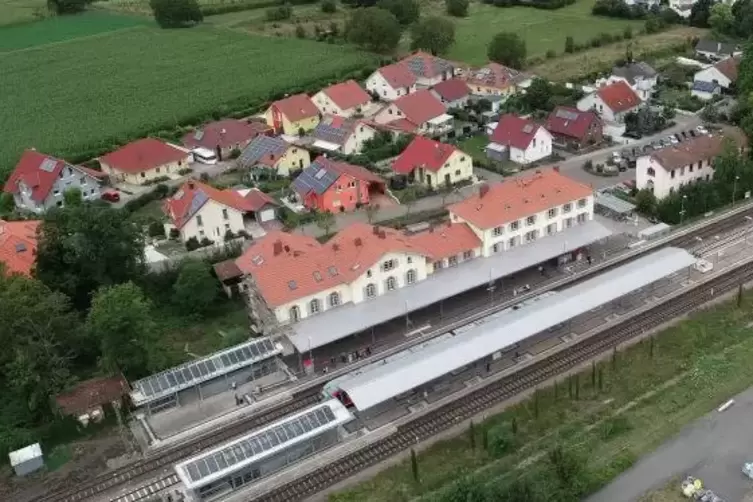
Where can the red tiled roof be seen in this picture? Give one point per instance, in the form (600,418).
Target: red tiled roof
(397,76)
(447,240)
(143,155)
(399,125)
(29,170)
(256,199)
(518,198)
(619,96)
(225,134)
(297,107)
(571,122)
(420,107)
(91,394)
(729,67)
(18,246)
(452,89)
(423,152)
(286,267)
(347,94)
(227,269)
(192,196)
(514,131)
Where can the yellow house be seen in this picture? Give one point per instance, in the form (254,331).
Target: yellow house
(144,160)
(433,164)
(494,80)
(292,114)
(274,153)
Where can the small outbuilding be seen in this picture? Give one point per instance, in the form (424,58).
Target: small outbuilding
(27,460)
(613,207)
(87,399)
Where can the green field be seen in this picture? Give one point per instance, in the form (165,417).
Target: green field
(21,11)
(96,91)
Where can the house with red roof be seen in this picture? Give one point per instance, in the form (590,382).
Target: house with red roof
(344,99)
(144,160)
(18,246)
(429,70)
(391,82)
(203,212)
(432,163)
(519,140)
(453,93)
(292,115)
(723,74)
(522,210)
(39,181)
(338,134)
(573,129)
(87,399)
(495,79)
(273,155)
(418,113)
(224,136)
(328,185)
(612,102)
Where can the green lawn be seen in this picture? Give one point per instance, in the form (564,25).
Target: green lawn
(475,146)
(20,11)
(88,94)
(649,393)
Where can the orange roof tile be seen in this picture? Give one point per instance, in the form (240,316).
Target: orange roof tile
(297,107)
(512,200)
(192,196)
(18,246)
(447,240)
(347,94)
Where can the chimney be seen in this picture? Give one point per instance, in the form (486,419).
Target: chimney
(222,132)
(277,247)
(335,247)
(556,168)
(382,234)
(375,230)
(191,184)
(483,190)
(358,242)
(287,248)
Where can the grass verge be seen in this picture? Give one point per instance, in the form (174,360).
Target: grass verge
(646,395)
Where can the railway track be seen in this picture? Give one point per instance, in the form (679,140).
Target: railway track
(483,398)
(151,466)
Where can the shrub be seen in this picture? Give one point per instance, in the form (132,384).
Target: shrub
(457,8)
(551,54)
(329,6)
(174,233)
(501,440)
(300,32)
(281,13)
(192,244)
(156,229)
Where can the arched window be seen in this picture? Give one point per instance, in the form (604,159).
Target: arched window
(295,313)
(650,171)
(334,299)
(314,306)
(391,283)
(410,277)
(370,291)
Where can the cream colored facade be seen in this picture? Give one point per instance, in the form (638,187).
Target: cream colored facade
(355,141)
(377,84)
(292,128)
(531,227)
(170,170)
(459,167)
(212,221)
(295,158)
(379,279)
(478,89)
(328,107)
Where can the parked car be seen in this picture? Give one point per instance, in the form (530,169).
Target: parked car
(111,196)
(672,139)
(701,129)
(633,135)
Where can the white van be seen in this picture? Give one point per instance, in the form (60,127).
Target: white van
(204,156)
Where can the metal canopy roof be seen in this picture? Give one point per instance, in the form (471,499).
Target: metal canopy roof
(385,381)
(614,204)
(270,440)
(195,372)
(332,325)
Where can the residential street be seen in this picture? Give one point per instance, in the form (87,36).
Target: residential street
(572,167)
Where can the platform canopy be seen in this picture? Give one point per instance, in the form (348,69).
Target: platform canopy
(382,382)
(229,458)
(202,370)
(332,325)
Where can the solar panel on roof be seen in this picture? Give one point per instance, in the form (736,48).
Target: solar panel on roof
(48,165)
(198,135)
(260,147)
(20,247)
(199,199)
(528,128)
(566,114)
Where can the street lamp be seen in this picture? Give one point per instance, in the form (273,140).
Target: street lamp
(734,189)
(682,208)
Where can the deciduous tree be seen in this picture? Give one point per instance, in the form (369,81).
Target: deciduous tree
(721,19)
(176,13)
(195,289)
(405,11)
(507,49)
(434,34)
(457,8)
(374,29)
(700,12)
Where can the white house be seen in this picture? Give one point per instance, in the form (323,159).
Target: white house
(420,113)
(723,73)
(391,82)
(432,163)
(519,140)
(344,99)
(640,76)
(612,103)
(347,136)
(669,169)
(521,210)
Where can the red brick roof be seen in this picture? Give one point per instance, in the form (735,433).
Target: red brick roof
(18,246)
(420,106)
(227,269)
(423,152)
(619,96)
(452,89)
(514,131)
(192,196)
(256,200)
(729,67)
(397,76)
(347,94)
(143,155)
(91,394)
(518,198)
(286,267)
(297,107)
(225,134)
(447,240)
(39,172)
(571,122)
